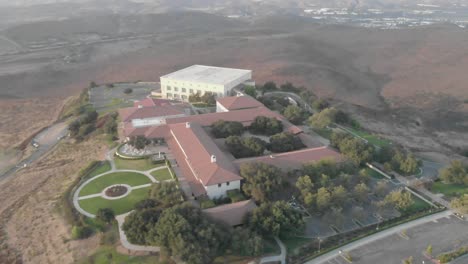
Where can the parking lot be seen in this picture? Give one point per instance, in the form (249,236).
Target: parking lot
(444,235)
(110,98)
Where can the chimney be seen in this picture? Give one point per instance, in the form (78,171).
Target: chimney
(213,159)
(187,124)
(140,106)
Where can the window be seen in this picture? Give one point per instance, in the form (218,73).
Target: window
(176,95)
(227,183)
(168,88)
(184,90)
(184,97)
(176,89)
(191,91)
(199,91)
(219,185)
(169,95)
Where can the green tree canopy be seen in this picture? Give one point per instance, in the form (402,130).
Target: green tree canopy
(294,114)
(324,118)
(138,224)
(266,125)
(223,129)
(261,180)
(272,219)
(250,90)
(284,142)
(245,147)
(399,199)
(456,172)
(166,194)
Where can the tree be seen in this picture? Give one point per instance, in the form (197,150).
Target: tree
(184,231)
(266,125)
(399,199)
(261,180)
(146,204)
(410,165)
(353,148)
(139,142)
(273,219)
(294,114)
(269,87)
(339,195)
(138,224)
(208,98)
(429,250)
(223,129)
(89,117)
(324,118)
(195,98)
(284,142)
(250,90)
(246,243)
(166,193)
(74,127)
(320,104)
(456,172)
(361,191)
(128,91)
(335,216)
(460,204)
(323,198)
(105,215)
(381,188)
(245,147)
(306,187)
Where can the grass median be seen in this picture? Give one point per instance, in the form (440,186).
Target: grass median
(99,184)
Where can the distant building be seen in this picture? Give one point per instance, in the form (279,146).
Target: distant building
(181,84)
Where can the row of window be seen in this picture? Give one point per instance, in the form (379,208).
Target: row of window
(220,184)
(184,90)
(170,95)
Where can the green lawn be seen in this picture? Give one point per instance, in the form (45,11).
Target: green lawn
(418,205)
(130,178)
(119,206)
(375,174)
(325,132)
(140,164)
(101,169)
(108,254)
(293,243)
(449,190)
(162,175)
(373,139)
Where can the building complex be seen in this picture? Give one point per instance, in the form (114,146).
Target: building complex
(201,79)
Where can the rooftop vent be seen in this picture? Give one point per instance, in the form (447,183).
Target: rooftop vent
(140,106)
(213,159)
(187,124)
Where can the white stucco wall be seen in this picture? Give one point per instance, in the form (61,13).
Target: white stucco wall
(214,191)
(193,87)
(220,108)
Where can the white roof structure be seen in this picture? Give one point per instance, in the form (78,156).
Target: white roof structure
(207,74)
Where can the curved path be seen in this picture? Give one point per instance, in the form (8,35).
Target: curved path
(123,238)
(279,258)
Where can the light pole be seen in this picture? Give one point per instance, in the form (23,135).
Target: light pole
(319,240)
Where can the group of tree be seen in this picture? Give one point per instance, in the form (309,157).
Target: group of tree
(397,159)
(460,204)
(83,125)
(329,115)
(251,91)
(295,114)
(275,218)
(284,142)
(223,129)
(455,173)
(266,126)
(110,125)
(245,147)
(139,142)
(262,180)
(353,148)
(208,98)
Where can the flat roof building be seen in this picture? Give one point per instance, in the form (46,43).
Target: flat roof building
(220,81)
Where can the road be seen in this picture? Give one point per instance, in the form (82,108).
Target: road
(328,257)
(47,139)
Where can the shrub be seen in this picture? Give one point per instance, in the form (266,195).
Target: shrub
(266,126)
(207,203)
(81,232)
(284,142)
(222,129)
(128,91)
(105,215)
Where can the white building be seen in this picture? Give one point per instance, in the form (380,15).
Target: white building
(201,79)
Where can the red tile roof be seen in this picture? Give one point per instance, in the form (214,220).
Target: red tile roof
(295,159)
(239,102)
(231,214)
(130,113)
(198,148)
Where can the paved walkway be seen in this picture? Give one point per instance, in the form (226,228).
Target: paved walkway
(123,238)
(279,258)
(359,243)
